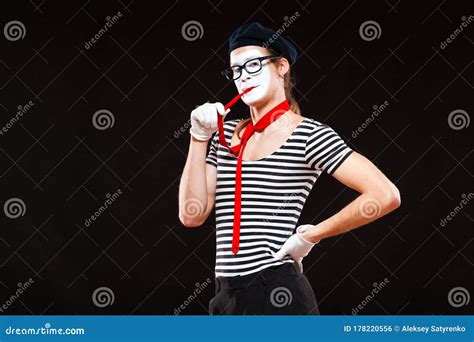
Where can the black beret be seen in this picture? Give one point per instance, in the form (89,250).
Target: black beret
(256,34)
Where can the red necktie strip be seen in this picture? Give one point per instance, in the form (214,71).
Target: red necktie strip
(264,121)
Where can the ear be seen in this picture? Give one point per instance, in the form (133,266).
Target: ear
(283,67)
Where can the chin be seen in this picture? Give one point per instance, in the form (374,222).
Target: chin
(255,101)
(252,102)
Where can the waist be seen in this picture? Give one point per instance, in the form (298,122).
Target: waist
(267,274)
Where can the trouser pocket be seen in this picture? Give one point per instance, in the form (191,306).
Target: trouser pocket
(289,295)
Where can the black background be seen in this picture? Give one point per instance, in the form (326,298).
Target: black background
(144,72)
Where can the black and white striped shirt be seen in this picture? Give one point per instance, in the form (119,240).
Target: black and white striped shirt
(274,190)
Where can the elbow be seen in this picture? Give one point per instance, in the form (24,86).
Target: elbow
(190,222)
(192,213)
(391,198)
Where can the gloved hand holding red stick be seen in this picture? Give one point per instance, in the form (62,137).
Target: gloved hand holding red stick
(209,117)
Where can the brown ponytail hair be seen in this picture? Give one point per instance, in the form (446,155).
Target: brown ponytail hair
(289,83)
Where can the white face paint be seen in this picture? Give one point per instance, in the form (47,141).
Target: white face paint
(261,80)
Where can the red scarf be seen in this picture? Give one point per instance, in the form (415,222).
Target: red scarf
(264,121)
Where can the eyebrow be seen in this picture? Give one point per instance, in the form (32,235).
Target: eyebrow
(246,60)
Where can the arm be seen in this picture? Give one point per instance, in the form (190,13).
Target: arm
(197,188)
(378,197)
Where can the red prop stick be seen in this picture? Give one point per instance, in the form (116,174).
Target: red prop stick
(220,119)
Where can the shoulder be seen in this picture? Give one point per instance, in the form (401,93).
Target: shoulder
(316,131)
(311,125)
(313,121)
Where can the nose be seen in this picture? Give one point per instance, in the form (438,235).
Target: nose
(245,75)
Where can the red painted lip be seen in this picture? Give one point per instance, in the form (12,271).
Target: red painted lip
(246,90)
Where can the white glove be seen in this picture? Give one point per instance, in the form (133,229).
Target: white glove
(204,120)
(296,246)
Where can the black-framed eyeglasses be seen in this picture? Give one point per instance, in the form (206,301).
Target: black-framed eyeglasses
(252,66)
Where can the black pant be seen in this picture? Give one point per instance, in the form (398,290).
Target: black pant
(277,290)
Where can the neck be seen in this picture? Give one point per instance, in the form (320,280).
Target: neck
(257,112)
